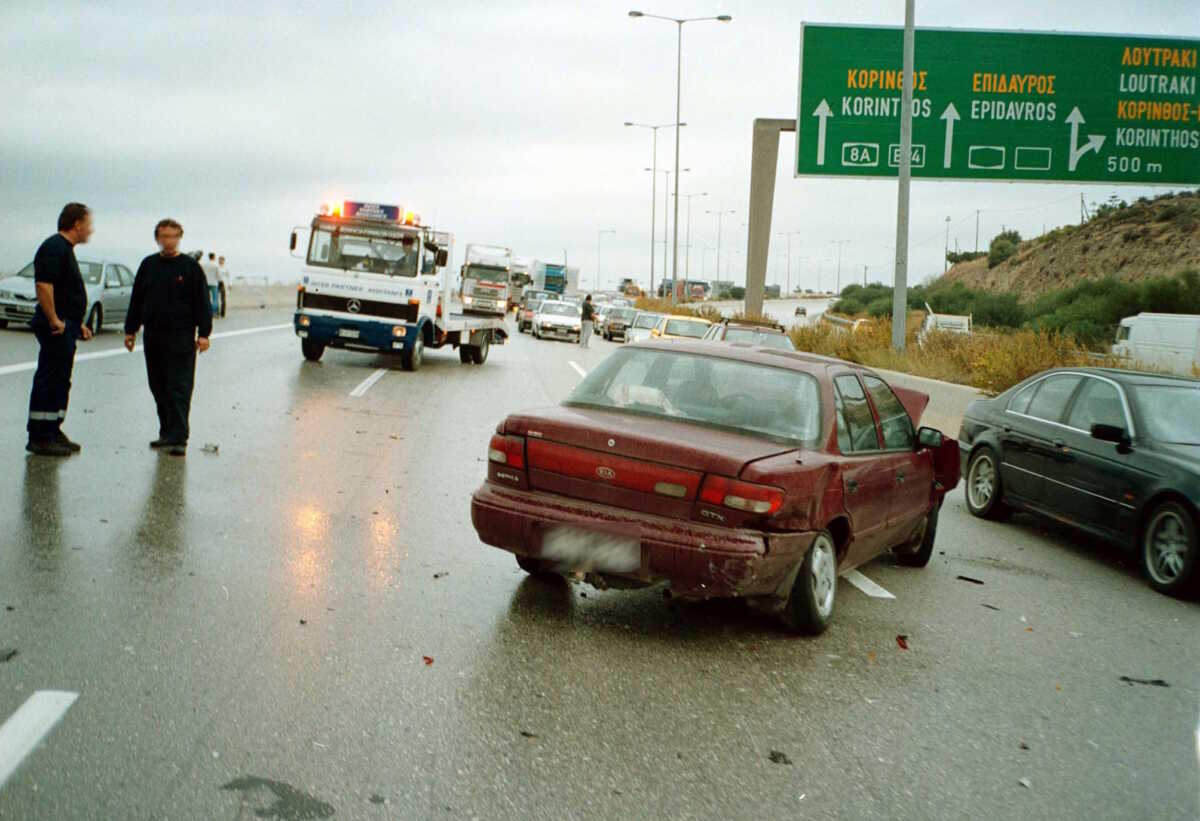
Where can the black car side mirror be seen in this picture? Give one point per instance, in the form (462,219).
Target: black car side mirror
(931,438)
(292,244)
(443,257)
(1112,433)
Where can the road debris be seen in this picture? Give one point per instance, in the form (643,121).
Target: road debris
(303,622)
(427,659)
(1023,746)
(441,574)
(990,607)
(1026,783)
(1153,682)
(870,657)
(969,579)
(7,654)
(376,798)
(779,758)
(9,608)
(902,641)
(528,734)
(211,448)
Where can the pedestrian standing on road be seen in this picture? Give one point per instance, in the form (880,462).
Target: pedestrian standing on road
(212,273)
(223,284)
(586,314)
(171,301)
(57,324)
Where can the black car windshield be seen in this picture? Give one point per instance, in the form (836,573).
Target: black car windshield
(775,403)
(558,309)
(1169,412)
(90,271)
(759,337)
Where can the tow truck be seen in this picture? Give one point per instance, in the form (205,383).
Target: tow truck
(375,280)
(485,275)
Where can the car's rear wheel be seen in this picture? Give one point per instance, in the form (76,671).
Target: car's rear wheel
(312,350)
(539,568)
(464,354)
(1169,548)
(95,320)
(917,552)
(479,353)
(984,490)
(809,607)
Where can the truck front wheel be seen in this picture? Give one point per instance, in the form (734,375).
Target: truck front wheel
(411,360)
(312,350)
(479,353)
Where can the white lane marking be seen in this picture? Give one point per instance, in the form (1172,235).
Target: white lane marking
(866,585)
(26,727)
(83,357)
(578,369)
(366,384)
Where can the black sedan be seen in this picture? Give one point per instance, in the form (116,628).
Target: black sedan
(1114,453)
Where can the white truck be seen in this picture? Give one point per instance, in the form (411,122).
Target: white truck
(375,280)
(1169,342)
(485,274)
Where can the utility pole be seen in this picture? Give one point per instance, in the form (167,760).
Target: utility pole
(946,256)
(864,276)
(977,230)
(839,243)
(900,284)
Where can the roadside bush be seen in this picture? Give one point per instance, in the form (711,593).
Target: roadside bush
(664,306)
(1003,246)
(737,292)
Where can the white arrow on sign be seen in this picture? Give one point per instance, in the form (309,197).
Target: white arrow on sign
(949,115)
(1094,141)
(822,114)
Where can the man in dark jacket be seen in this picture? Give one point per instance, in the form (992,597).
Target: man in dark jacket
(57,323)
(170,300)
(587,315)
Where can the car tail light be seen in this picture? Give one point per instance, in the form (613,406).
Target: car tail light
(507,450)
(744,496)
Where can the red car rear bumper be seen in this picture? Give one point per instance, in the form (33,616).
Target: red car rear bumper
(699,561)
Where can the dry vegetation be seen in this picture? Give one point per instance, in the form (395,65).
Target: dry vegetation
(990,361)
(664,306)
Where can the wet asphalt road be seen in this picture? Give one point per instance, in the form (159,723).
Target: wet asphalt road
(247,632)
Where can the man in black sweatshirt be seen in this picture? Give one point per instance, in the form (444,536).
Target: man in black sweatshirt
(170,300)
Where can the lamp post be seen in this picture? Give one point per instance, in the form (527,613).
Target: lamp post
(653,184)
(666,213)
(600,235)
(719,215)
(679,21)
(946,256)
(839,243)
(789,235)
(687,240)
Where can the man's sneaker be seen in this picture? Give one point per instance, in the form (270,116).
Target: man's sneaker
(62,439)
(159,443)
(47,447)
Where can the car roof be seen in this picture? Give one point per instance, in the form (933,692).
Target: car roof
(753,324)
(756,354)
(1129,377)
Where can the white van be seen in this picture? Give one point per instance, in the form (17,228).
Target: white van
(1169,342)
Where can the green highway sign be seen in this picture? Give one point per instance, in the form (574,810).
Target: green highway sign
(1000,105)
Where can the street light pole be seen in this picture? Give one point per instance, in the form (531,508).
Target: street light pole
(719,215)
(839,243)
(687,240)
(946,256)
(654,184)
(679,21)
(599,235)
(666,214)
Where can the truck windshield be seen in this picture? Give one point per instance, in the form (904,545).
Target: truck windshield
(364,249)
(487,273)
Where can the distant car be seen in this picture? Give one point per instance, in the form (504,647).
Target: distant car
(526,313)
(722,471)
(769,334)
(1111,452)
(643,324)
(680,327)
(801,311)
(556,319)
(617,322)
(109,286)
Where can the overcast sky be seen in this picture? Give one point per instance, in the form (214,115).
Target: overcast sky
(500,122)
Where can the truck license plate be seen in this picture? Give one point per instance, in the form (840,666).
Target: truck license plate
(349,333)
(576,548)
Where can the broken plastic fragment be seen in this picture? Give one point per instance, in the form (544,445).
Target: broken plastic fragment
(7,654)
(902,640)
(1153,682)
(427,659)
(211,448)
(779,758)
(969,579)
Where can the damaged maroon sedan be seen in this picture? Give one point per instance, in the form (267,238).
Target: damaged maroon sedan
(725,470)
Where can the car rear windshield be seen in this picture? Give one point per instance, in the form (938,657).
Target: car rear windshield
(621,314)
(775,403)
(758,337)
(686,327)
(1169,412)
(646,320)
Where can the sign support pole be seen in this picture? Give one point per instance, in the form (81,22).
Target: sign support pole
(900,285)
